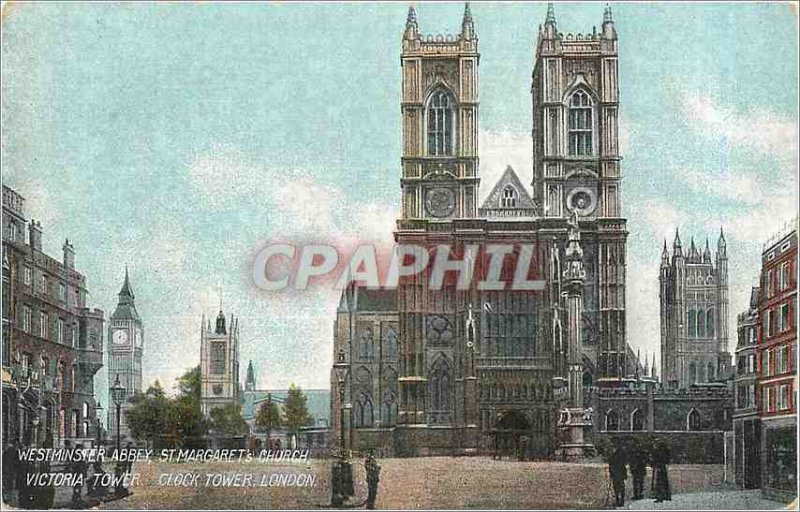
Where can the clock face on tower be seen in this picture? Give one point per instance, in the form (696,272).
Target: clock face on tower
(120,337)
(440,202)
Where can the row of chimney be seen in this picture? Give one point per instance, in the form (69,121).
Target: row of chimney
(35,241)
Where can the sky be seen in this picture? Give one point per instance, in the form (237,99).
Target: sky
(178,138)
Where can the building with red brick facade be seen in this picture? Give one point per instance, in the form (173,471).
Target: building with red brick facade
(776,352)
(52,343)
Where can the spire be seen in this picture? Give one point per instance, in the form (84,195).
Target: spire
(646,364)
(412,29)
(676,245)
(707,253)
(722,245)
(467,25)
(665,254)
(250,383)
(126,294)
(694,256)
(607,14)
(551,14)
(638,363)
(220,324)
(653,367)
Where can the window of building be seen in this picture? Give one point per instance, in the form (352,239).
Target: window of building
(751,395)
(693,420)
(783,318)
(751,363)
(509,199)
(710,372)
(73,424)
(43,324)
(27,275)
(60,332)
(580,124)
(692,323)
(27,318)
(45,366)
(752,335)
(783,397)
(710,323)
(43,285)
(769,400)
(767,324)
(218,357)
(766,360)
(783,276)
(440,124)
(364,412)
(612,420)
(62,292)
(637,420)
(25,364)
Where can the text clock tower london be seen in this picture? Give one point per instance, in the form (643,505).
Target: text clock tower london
(125,347)
(576,167)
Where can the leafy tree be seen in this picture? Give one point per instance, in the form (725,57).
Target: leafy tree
(148,413)
(269,415)
(189,384)
(186,423)
(228,420)
(295,410)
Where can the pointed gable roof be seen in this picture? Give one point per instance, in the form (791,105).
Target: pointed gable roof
(126,309)
(494,201)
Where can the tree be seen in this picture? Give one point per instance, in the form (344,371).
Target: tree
(189,384)
(295,411)
(269,415)
(147,415)
(228,420)
(185,422)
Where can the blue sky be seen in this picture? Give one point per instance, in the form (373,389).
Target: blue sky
(176,138)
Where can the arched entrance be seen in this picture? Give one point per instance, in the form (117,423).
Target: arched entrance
(511,435)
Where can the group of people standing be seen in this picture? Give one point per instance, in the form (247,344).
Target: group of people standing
(637,456)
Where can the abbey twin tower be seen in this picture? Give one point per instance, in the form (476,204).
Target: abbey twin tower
(449,370)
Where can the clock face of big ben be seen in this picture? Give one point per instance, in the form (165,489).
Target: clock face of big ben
(120,337)
(440,202)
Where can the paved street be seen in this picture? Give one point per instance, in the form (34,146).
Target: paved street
(429,483)
(719,500)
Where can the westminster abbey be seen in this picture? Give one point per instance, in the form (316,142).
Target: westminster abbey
(416,383)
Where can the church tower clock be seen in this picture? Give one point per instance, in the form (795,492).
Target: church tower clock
(125,348)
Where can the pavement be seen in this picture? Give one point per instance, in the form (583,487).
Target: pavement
(715,500)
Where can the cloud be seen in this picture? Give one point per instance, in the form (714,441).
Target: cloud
(760,130)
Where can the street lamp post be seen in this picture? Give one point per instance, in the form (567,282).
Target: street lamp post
(98,410)
(341,470)
(118,396)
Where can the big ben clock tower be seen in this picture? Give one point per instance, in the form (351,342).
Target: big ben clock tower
(125,346)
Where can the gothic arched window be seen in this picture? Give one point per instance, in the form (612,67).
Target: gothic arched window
(440,123)
(710,374)
(693,420)
(710,323)
(390,342)
(389,410)
(364,411)
(441,386)
(612,420)
(692,373)
(509,199)
(580,124)
(701,323)
(366,347)
(692,323)
(637,420)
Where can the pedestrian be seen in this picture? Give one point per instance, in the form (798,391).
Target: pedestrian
(618,472)
(128,454)
(638,465)
(10,463)
(48,493)
(373,470)
(79,469)
(660,461)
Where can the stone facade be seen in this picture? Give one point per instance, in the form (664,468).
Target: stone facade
(746,425)
(219,363)
(446,370)
(52,342)
(125,350)
(694,314)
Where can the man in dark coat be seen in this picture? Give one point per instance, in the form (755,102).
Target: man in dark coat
(373,470)
(638,465)
(660,460)
(618,472)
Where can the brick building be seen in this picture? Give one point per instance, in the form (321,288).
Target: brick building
(52,343)
(776,348)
